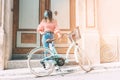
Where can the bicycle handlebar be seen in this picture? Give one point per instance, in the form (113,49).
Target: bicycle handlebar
(69,35)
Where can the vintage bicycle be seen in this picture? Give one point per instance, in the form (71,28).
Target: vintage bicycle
(48,59)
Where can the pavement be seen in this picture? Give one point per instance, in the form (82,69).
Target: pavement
(101,72)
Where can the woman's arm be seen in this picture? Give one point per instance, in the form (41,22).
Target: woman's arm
(40,28)
(57,30)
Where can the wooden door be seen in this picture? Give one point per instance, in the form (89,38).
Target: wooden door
(26,17)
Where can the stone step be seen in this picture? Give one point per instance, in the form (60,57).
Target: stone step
(14,64)
(20,60)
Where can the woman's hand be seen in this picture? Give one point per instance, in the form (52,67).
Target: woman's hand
(40,32)
(59,36)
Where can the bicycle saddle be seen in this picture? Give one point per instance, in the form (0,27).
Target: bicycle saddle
(49,40)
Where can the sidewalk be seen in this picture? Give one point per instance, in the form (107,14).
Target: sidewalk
(101,72)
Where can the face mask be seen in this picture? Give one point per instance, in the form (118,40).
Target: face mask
(45,14)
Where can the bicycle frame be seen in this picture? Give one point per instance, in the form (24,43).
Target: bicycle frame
(72,44)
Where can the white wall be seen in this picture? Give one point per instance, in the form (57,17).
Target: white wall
(109,26)
(109,16)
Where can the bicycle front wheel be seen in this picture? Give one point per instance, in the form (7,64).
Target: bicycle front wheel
(84,61)
(37,63)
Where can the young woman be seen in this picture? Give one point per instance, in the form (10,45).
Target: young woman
(48,27)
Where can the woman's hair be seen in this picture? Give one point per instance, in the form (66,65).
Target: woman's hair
(48,14)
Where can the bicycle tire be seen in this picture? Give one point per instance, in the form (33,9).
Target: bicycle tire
(84,61)
(34,62)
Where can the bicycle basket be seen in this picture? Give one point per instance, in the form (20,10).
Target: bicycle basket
(76,34)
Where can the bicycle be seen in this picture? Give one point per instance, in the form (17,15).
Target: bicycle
(50,59)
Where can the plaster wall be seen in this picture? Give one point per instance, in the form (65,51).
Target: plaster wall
(109,28)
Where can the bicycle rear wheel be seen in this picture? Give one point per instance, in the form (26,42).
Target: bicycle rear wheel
(84,61)
(36,63)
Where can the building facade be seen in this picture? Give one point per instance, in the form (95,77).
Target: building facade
(98,21)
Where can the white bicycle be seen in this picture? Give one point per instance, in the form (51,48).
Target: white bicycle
(47,58)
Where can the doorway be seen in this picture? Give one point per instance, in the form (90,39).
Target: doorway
(26,16)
